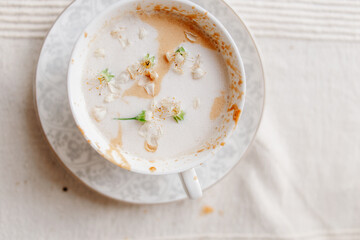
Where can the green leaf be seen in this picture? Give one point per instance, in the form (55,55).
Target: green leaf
(141,116)
(180,50)
(179,117)
(106,75)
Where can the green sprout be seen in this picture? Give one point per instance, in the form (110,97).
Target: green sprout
(182,51)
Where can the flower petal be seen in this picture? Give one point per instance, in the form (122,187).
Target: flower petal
(179,59)
(198,73)
(114,87)
(190,36)
(124,77)
(153,75)
(148,116)
(150,88)
(142,33)
(99,113)
(169,56)
(196,103)
(144,129)
(133,70)
(142,80)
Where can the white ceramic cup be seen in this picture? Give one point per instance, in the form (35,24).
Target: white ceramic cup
(184,166)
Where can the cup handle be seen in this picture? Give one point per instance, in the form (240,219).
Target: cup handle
(191,184)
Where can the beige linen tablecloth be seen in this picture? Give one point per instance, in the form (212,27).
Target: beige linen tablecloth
(299,180)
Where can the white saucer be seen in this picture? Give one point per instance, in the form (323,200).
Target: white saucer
(89,167)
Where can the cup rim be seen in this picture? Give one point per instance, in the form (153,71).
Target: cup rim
(241,102)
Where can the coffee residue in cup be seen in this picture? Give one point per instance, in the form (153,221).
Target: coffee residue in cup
(217,107)
(171,33)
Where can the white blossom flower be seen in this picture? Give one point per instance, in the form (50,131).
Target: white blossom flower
(196,103)
(197,71)
(178,57)
(142,33)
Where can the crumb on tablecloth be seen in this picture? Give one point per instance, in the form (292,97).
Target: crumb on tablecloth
(207,210)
